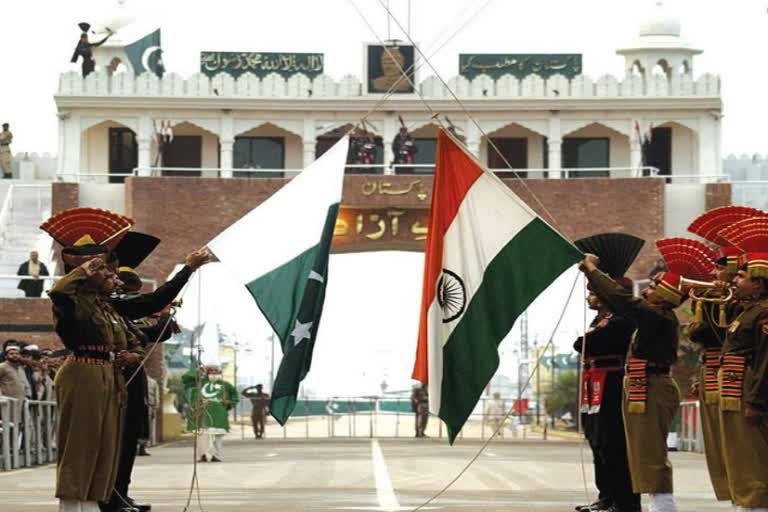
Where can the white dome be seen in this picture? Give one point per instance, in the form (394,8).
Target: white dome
(660,23)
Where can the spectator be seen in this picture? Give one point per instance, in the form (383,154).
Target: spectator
(6,158)
(30,356)
(34,268)
(12,376)
(153,405)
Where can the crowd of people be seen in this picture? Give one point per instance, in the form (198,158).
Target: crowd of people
(629,398)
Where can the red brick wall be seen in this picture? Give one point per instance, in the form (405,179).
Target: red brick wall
(65,196)
(32,314)
(188,212)
(718,194)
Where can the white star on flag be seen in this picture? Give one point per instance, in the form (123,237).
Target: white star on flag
(301,331)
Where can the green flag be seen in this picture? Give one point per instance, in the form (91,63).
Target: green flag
(146,54)
(284,265)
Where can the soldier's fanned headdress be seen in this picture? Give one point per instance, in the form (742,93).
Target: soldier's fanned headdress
(86,233)
(617,252)
(134,248)
(709,225)
(85,27)
(686,258)
(751,236)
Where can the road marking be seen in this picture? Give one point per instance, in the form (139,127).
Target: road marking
(384,490)
(489,454)
(271,455)
(17,471)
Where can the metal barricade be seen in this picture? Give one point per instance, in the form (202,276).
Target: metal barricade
(27,433)
(690,437)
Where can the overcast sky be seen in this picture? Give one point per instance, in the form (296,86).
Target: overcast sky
(39,37)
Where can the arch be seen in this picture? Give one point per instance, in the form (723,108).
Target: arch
(534,144)
(662,67)
(573,127)
(637,69)
(116,65)
(209,126)
(90,123)
(293,144)
(685,68)
(683,150)
(425,130)
(245,126)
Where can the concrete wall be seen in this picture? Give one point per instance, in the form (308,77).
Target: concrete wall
(683,203)
(108,196)
(685,150)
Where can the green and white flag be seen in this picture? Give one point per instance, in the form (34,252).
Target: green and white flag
(280,251)
(146,54)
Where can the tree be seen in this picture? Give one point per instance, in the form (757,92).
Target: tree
(562,397)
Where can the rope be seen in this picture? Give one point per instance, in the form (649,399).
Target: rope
(509,412)
(580,397)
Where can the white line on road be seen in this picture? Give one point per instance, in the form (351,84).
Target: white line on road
(384,490)
(271,455)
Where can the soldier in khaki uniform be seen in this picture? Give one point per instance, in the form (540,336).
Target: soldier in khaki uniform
(651,397)
(6,158)
(90,389)
(743,376)
(708,331)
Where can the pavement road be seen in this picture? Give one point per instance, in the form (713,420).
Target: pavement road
(364,474)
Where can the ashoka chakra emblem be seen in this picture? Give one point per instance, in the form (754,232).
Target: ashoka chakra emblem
(451,295)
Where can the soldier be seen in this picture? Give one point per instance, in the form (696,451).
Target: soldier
(6,158)
(607,343)
(650,396)
(743,375)
(404,149)
(259,408)
(420,406)
(89,392)
(708,331)
(137,308)
(85,48)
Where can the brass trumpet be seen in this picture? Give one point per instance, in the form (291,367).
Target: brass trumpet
(711,292)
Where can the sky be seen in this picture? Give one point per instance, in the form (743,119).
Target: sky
(369,326)
(41,35)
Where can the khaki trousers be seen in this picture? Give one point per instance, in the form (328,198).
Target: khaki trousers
(745,452)
(713,449)
(647,436)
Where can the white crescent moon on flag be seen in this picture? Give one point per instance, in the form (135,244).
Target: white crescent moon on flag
(146,55)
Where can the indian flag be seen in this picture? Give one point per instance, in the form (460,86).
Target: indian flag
(280,251)
(488,256)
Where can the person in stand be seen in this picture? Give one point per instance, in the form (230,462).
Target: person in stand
(650,395)
(12,376)
(6,157)
(607,343)
(211,403)
(743,375)
(35,269)
(404,149)
(259,408)
(85,48)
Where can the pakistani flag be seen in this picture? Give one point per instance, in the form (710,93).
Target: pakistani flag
(146,54)
(488,256)
(279,251)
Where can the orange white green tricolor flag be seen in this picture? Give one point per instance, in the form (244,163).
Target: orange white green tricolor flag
(488,256)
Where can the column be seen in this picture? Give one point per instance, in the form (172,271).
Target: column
(473,138)
(635,149)
(145,156)
(708,143)
(388,137)
(309,142)
(69,164)
(144,142)
(226,158)
(555,143)
(226,146)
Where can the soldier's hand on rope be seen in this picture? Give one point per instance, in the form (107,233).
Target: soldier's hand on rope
(589,263)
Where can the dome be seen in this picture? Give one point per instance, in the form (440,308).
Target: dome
(660,23)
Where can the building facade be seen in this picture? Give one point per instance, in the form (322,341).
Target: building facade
(542,124)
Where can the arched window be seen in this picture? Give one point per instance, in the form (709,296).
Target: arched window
(116,66)
(661,68)
(637,69)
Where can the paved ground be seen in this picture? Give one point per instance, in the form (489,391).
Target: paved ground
(361,474)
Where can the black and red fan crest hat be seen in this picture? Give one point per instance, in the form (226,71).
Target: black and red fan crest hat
(751,236)
(134,248)
(685,258)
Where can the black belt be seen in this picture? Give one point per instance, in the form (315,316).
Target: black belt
(605,363)
(95,354)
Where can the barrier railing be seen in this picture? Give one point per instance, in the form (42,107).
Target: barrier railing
(690,437)
(151,284)
(27,433)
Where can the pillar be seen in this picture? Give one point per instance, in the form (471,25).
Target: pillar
(388,137)
(226,158)
(309,142)
(473,139)
(69,154)
(555,144)
(708,144)
(144,142)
